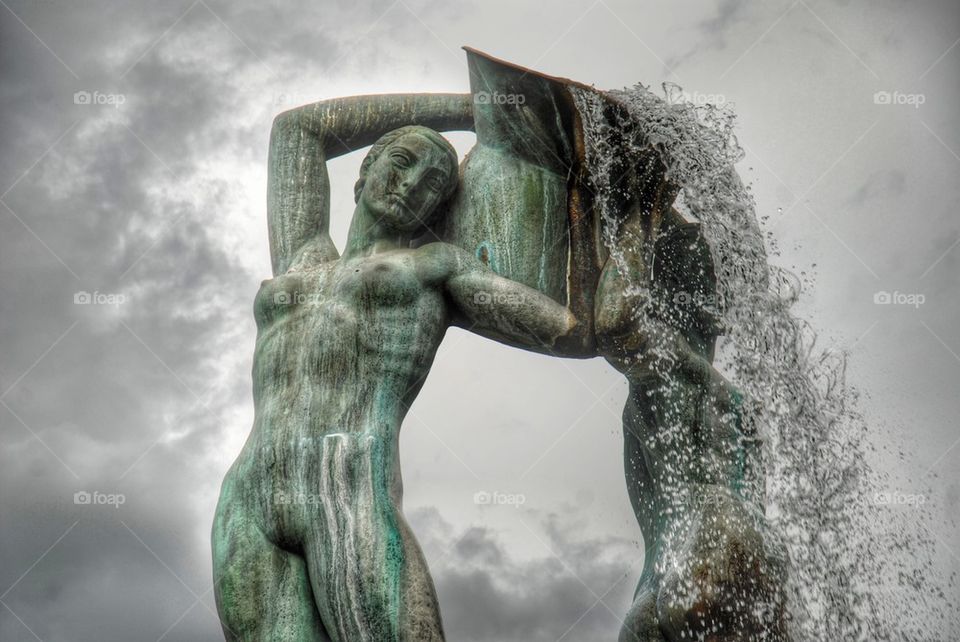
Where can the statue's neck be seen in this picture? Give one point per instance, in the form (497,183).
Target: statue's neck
(368,235)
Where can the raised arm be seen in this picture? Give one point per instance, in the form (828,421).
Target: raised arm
(301,141)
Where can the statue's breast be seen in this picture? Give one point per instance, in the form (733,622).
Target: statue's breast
(379,281)
(277,297)
(303,298)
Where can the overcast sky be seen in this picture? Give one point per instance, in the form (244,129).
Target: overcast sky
(152,196)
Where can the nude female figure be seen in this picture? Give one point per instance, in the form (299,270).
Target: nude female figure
(309,538)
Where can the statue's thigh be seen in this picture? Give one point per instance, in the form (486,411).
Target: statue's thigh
(370,579)
(262,591)
(640,623)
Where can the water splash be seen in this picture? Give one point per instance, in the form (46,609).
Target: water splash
(858,571)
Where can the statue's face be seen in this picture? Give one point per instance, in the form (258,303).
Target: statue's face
(407,181)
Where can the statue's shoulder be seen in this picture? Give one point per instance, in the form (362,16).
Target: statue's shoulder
(438,261)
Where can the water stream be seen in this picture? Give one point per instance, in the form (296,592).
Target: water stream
(858,571)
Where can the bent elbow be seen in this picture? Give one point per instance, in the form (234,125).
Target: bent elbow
(286,120)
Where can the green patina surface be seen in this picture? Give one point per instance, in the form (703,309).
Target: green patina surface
(309,540)
(514,210)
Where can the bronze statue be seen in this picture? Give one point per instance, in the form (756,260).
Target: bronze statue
(310,541)
(309,538)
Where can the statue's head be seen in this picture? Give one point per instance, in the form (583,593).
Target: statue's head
(406,176)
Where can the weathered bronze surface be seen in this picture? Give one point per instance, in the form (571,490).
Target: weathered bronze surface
(309,539)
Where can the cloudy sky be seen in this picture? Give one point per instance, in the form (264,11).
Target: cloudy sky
(152,196)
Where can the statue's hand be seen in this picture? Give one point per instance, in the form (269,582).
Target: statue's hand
(571,340)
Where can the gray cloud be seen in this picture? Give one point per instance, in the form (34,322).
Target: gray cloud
(884,183)
(150,398)
(487,594)
(117,398)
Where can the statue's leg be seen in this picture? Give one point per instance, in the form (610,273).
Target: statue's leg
(726,580)
(721,575)
(369,577)
(262,591)
(640,623)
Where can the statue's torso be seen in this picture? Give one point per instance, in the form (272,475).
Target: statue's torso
(342,349)
(343,342)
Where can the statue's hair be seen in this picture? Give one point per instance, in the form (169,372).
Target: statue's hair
(384,142)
